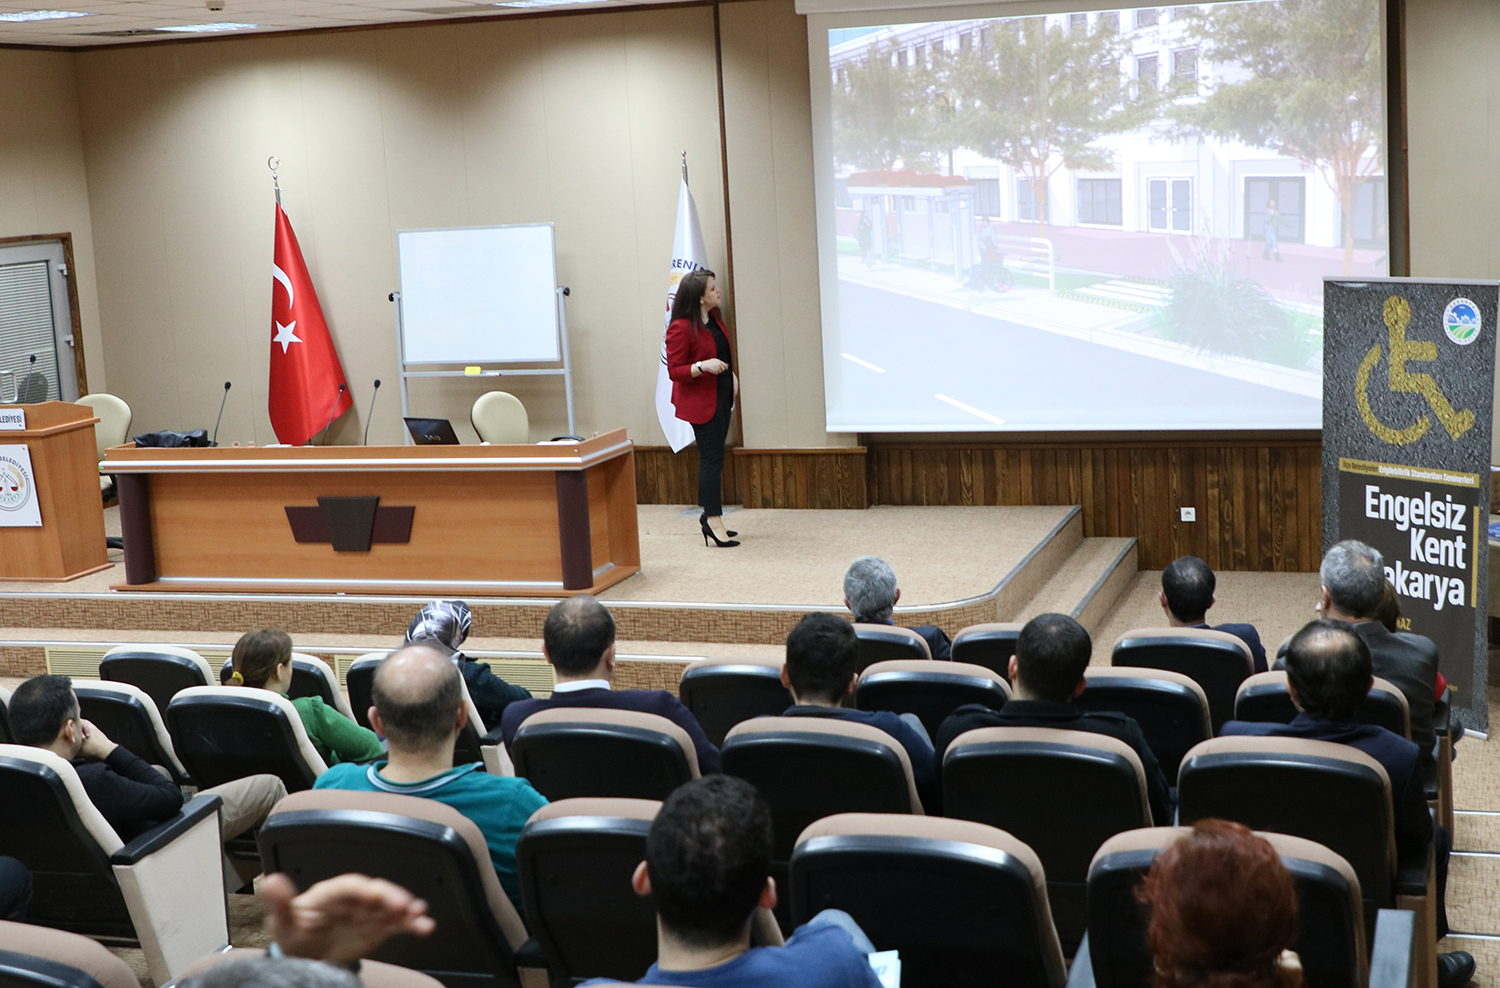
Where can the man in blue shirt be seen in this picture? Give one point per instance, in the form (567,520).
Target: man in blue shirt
(1187,592)
(1328,673)
(707,868)
(822,669)
(419,710)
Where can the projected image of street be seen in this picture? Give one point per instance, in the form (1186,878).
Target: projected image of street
(1105,220)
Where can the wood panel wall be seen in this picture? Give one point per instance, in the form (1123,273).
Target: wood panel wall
(1258,503)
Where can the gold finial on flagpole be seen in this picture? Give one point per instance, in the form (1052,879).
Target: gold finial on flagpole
(684,166)
(274,163)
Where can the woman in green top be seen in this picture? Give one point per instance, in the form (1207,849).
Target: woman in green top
(263,659)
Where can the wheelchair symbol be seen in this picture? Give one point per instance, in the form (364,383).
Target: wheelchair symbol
(1397,316)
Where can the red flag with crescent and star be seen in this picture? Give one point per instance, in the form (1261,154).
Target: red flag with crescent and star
(305,371)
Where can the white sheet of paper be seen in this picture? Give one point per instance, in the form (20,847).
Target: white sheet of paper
(887,965)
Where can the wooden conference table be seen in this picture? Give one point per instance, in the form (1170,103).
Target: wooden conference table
(544,520)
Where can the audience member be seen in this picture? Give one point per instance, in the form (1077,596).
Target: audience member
(263,660)
(870,593)
(447,622)
(15,889)
(1046,673)
(1187,592)
(272,972)
(1223,911)
(821,670)
(578,638)
(1390,618)
(131,795)
(1328,672)
(419,710)
(1353,578)
(707,870)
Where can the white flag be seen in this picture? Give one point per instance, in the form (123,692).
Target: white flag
(687,255)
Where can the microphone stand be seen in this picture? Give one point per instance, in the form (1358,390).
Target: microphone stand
(335,413)
(371,412)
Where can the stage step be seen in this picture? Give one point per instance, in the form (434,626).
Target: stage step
(1087,583)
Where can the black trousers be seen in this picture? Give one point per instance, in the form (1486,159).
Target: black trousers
(15,889)
(710,436)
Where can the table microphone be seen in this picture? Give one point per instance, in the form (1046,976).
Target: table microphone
(222,402)
(371,412)
(335,413)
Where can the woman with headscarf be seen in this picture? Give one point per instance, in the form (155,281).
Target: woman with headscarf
(446,622)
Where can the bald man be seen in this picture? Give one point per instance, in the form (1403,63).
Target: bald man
(419,711)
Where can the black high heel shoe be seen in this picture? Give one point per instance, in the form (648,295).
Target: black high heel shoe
(708,533)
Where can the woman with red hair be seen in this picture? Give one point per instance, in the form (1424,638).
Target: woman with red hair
(1223,912)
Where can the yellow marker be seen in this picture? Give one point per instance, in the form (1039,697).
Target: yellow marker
(471,371)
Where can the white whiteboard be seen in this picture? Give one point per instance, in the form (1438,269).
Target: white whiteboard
(478,294)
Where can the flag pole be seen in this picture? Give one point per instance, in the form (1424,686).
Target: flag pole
(274,163)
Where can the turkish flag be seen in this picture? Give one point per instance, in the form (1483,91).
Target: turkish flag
(305,372)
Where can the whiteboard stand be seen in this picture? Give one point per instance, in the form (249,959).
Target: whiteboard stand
(566,370)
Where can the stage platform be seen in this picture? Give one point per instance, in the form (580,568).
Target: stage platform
(957,566)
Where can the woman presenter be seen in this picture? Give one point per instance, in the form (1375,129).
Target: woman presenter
(704,389)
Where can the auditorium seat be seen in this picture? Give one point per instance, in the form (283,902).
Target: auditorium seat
(311,676)
(1328,793)
(963,903)
(1062,793)
(1215,660)
(427,848)
(1331,942)
(5,735)
(576,858)
(36,957)
(1170,708)
(129,718)
(1264,697)
(884,642)
(358,679)
(567,752)
(112,429)
(931,690)
(500,419)
(470,745)
(163,890)
(990,645)
(160,670)
(723,692)
(372,974)
(223,733)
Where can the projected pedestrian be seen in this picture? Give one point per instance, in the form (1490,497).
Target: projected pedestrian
(1273,222)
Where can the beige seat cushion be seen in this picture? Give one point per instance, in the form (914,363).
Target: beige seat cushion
(599,806)
(71,949)
(618,718)
(836,727)
(937,671)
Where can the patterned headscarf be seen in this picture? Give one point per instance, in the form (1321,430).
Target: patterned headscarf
(445,620)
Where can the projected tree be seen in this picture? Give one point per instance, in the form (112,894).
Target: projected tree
(1313,90)
(884,112)
(1040,99)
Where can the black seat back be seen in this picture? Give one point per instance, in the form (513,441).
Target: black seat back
(576,858)
(567,752)
(1062,793)
(359,680)
(127,722)
(306,681)
(227,733)
(1215,660)
(1170,708)
(73,884)
(724,692)
(988,645)
(1264,698)
(160,674)
(885,643)
(931,690)
(958,900)
(5,736)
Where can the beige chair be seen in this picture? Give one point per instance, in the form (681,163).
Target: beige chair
(1215,660)
(990,645)
(223,733)
(500,419)
(886,642)
(372,974)
(77,955)
(164,889)
(570,752)
(112,429)
(723,691)
(128,717)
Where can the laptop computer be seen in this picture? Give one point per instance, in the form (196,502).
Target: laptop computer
(431,432)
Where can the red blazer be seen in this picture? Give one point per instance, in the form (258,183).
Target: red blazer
(695,398)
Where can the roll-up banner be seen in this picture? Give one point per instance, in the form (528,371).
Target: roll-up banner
(1408,389)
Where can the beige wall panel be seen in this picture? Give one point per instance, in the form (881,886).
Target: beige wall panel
(42,183)
(768,118)
(1453,130)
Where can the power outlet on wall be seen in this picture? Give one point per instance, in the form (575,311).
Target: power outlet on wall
(1189,514)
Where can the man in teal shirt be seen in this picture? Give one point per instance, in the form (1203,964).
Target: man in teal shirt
(419,709)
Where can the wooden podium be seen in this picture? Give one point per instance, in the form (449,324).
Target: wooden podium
(543,520)
(64,460)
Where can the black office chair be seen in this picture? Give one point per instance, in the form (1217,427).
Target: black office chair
(359,680)
(1264,697)
(886,642)
(723,692)
(311,676)
(5,736)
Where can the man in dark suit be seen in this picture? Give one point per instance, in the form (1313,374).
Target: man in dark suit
(1329,671)
(578,638)
(1353,578)
(870,593)
(822,669)
(1046,673)
(1187,592)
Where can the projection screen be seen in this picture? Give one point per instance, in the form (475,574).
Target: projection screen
(1096,220)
